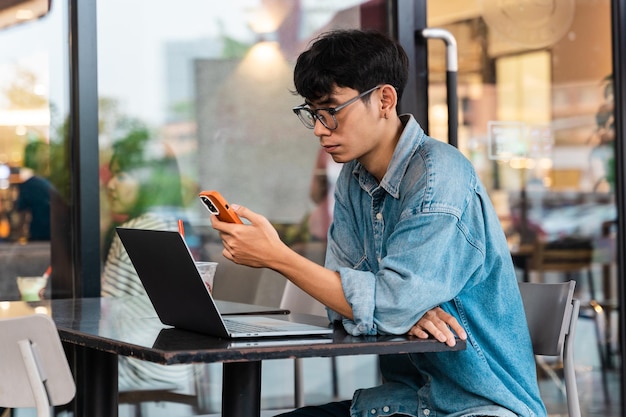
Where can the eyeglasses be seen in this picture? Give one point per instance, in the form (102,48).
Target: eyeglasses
(325,115)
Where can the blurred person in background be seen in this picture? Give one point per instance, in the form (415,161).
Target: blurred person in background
(144,191)
(321,191)
(34,190)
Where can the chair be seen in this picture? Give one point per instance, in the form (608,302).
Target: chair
(571,256)
(33,367)
(552,314)
(169,394)
(184,389)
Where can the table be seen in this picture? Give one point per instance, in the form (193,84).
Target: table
(94,332)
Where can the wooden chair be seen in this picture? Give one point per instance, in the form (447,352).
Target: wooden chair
(568,256)
(552,314)
(157,394)
(34,371)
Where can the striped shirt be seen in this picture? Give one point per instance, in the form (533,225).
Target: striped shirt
(119,279)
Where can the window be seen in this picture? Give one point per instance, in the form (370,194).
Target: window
(34,179)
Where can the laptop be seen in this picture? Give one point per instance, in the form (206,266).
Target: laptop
(171,336)
(168,272)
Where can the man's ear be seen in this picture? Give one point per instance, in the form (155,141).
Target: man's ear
(389,100)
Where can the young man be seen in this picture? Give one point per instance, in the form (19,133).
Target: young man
(413,229)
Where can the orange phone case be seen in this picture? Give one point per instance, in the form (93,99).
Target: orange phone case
(217,205)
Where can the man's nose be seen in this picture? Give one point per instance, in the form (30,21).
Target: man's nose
(319,129)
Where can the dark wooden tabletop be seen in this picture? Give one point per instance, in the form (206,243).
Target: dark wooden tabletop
(97,330)
(129,327)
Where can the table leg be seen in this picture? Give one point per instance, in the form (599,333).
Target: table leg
(241,389)
(95,373)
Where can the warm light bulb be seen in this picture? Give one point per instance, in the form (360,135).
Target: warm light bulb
(264,52)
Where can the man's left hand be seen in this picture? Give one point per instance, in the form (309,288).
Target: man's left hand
(440,325)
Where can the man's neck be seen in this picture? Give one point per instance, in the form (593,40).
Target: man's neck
(376,163)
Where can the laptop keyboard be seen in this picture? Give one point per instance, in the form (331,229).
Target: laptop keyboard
(239,327)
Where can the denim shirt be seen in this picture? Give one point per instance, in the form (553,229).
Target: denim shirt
(427,235)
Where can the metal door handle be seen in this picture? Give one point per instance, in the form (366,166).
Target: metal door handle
(452,68)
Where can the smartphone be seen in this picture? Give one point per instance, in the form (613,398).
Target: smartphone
(216,204)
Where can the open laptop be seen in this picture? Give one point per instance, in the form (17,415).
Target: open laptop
(168,272)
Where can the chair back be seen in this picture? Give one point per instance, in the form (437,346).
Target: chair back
(298,301)
(34,371)
(569,255)
(552,314)
(293,298)
(548,312)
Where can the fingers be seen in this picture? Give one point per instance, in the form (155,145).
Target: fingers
(456,327)
(440,325)
(229,252)
(430,325)
(240,210)
(450,322)
(245,212)
(252,217)
(253,243)
(217,224)
(417,331)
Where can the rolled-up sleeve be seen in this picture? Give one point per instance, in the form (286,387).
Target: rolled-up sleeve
(360,297)
(428,260)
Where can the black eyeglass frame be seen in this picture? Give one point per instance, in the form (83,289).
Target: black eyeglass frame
(332,111)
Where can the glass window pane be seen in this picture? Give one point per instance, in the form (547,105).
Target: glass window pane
(211,88)
(34,186)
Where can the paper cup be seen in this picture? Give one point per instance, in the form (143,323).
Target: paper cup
(207,272)
(31,288)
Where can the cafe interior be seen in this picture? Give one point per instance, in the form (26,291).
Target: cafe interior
(530,91)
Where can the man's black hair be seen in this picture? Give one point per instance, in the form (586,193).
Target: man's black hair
(350,59)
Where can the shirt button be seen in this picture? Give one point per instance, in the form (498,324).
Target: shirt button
(379,216)
(386,409)
(427,412)
(373,411)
